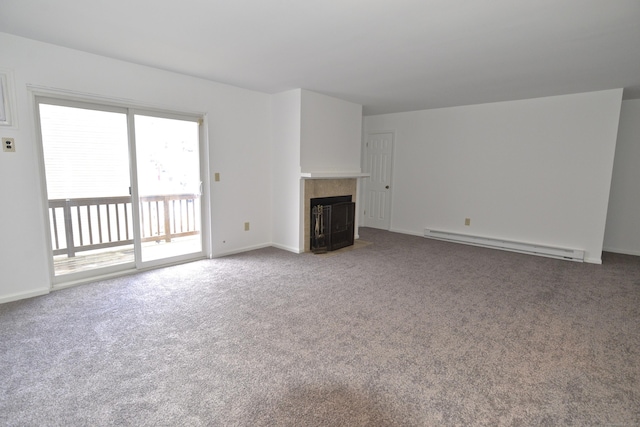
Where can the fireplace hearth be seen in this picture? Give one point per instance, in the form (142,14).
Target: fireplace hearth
(332,223)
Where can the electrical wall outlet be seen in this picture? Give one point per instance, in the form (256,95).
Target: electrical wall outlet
(246,226)
(467,221)
(8,145)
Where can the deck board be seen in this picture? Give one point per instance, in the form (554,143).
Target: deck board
(85,261)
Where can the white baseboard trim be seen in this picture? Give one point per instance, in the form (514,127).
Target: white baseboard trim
(287,248)
(410,233)
(241,250)
(23,295)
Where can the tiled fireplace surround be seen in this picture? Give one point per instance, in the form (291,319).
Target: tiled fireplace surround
(314,188)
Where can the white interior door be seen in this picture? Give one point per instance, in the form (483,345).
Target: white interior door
(378,162)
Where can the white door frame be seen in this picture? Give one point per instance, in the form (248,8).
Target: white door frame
(82,100)
(204,208)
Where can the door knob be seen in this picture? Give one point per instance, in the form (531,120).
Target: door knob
(387,187)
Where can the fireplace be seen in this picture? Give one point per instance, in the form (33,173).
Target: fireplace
(332,223)
(324,188)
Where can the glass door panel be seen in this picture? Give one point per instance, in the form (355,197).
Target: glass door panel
(86,162)
(168,183)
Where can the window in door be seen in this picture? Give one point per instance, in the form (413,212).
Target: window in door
(87,174)
(168,160)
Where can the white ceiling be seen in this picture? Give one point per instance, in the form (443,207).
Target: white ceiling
(389,55)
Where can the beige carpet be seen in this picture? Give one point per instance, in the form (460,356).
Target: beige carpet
(404,331)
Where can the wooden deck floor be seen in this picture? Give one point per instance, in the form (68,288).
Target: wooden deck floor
(89,261)
(85,261)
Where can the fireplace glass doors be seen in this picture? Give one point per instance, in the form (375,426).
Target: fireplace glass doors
(332,223)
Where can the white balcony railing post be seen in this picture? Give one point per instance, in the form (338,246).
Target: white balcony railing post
(68,229)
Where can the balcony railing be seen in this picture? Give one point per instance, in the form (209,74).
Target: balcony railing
(103,222)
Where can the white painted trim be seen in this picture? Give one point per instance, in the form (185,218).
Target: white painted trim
(43,95)
(42,178)
(411,233)
(206,225)
(333,175)
(288,248)
(85,97)
(8,99)
(23,295)
(241,250)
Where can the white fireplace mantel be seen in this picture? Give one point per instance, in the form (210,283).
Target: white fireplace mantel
(333,175)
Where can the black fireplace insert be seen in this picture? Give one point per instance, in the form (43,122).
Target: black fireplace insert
(332,223)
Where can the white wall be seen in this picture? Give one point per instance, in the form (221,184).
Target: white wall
(286,113)
(311,132)
(238,123)
(331,132)
(536,170)
(623,219)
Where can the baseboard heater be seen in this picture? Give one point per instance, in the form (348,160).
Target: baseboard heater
(507,245)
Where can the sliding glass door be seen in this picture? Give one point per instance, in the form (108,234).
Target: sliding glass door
(168,160)
(123,187)
(86,161)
